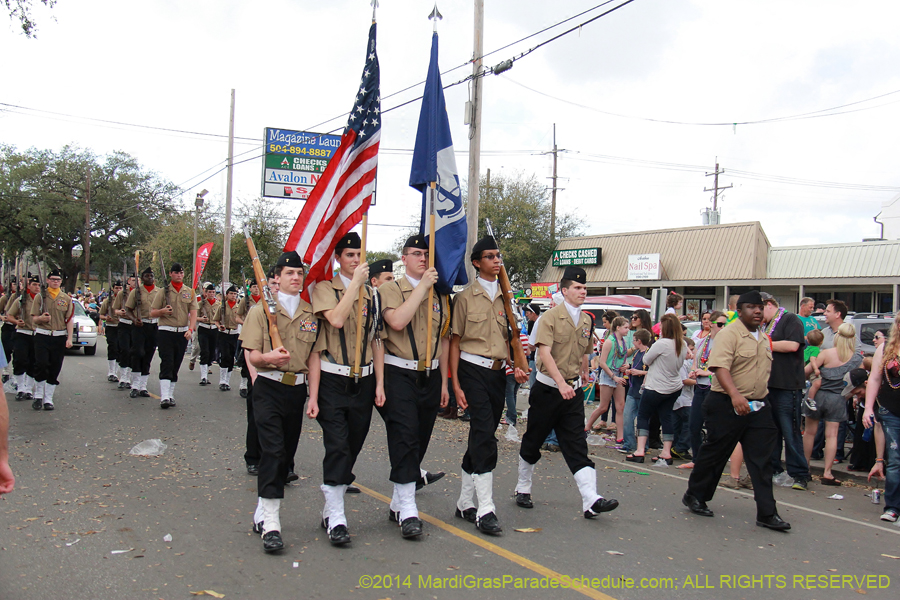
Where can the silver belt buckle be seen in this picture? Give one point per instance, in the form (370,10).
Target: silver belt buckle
(289,379)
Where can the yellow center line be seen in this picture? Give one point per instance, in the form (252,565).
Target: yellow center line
(502,552)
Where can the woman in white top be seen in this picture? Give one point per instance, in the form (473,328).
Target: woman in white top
(705,327)
(662,387)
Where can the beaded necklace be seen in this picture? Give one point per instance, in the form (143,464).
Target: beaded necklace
(619,351)
(704,352)
(887,377)
(774,322)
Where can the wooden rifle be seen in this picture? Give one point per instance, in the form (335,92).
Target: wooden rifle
(512,315)
(137,285)
(263,285)
(165,278)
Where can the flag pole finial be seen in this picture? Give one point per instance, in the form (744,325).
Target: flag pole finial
(374,4)
(435,16)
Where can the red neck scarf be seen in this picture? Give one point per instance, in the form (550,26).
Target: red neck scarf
(150,288)
(177,286)
(256,298)
(211,302)
(30,294)
(231,303)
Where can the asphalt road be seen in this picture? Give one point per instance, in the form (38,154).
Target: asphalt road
(87,520)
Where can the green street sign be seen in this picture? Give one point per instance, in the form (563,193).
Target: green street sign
(577,257)
(296,163)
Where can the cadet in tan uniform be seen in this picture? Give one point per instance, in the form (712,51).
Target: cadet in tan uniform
(124,334)
(247,302)
(479,349)
(8,330)
(341,403)
(741,361)
(19,313)
(176,308)
(556,401)
(143,333)
(226,319)
(111,329)
(207,332)
(52,315)
(415,377)
(381,272)
(279,389)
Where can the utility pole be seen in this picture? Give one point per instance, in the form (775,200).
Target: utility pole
(714,216)
(87,233)
(553,190)
(226,243)
(487,187)
(475,137)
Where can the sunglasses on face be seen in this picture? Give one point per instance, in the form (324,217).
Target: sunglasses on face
(721,323)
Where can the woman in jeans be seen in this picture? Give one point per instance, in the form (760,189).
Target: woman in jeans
(636,373)
(616,348)
(884,386)
(717,321)
(662,386)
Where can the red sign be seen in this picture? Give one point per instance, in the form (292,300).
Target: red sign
(542,290)
(203,253)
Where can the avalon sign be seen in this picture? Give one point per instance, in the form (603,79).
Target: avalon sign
(294,161)
(577,257)
(643,267)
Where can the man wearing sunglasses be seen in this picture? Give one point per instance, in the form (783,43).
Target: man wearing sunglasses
(51,314)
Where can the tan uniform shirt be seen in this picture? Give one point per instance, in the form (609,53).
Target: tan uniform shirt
(329,342)
(480,323)
(182,304)
(395,293)
(147,299)
(60,309)
(298,334)
(15,311)
(247,302)
(568,342)
(205,309)
(747,359)
(112,319)
(3,302)
(118,302)
(225,315)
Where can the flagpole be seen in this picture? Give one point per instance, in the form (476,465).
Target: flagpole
(427,358)
(361,299)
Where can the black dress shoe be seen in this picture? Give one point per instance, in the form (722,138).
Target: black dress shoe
(221,387)
(272,542)
(37,404)
(411,527)
(489,524)
(171,403)
(226,387)
(244,393)
(600,506)
(253,469)
(204,381)
(134,393)
(339,535)
(698,507)
(112,378)
(28,396)
(428,479)
(394,516)
(352,489)
(20,396)
(468,514)
(144,394)
(773,522)
(291,476)
(48,406)
(122,385)
(258,528)
(524,500)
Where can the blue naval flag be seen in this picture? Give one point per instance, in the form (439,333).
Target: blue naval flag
(433,160)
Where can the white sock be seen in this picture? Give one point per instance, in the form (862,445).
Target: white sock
(271,516)
(39,389)
(20,382)
(48,393)
(144,379)
(243,383)
(334,505)
(406,493)
(29,384)
(126,375)
(171,390)
(586,478)
(204,371)
(112,367)
(484,490)
(466,492)
(164,389)
(259,513)
(395,500)
(526,470)
(223,376)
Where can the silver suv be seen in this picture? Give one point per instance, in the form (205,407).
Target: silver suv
(866,325)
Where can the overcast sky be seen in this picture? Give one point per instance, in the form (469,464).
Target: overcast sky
(296,64)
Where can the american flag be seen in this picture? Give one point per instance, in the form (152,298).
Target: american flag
(344,192)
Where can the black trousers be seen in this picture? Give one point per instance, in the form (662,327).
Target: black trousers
(547,410)
(252,453)
(7,336)
(112,342)
(409,413)
(724,429)
(227,343)
(278,412)
(143,347)
(171,346)
(485,392)
(345,418)
(23,355)
(49,352)
(124,341)
(207,339)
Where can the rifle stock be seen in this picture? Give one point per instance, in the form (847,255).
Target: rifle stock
(263,285)
(137,285)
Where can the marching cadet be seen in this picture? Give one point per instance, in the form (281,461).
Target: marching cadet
(124,335)
(8,330)
(247,302)
(415,377)
(176,309)
(226,319)
(556,401)
(111,330)
(207,331)
(341,402)
(252,453)
(143,332)
(479,347)
(19,314)
(279,389)
(381,272)
(52,315)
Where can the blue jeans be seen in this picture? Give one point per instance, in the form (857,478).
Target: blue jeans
(654,402)
(533,376)
(551,438)
(696,424)
(890,424)
(632,402)
(681,422)
(786,414)
(512,388)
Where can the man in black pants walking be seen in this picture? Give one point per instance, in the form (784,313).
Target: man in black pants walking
(176,308)
(111,329)
(143,333)
(207,331)
(51,314)
(124,335)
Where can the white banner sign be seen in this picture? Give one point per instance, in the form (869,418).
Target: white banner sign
(643,267)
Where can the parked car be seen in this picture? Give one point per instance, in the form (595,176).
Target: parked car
(866,325)
(84,334)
